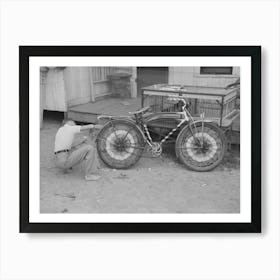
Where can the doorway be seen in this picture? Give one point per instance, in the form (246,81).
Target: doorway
(147,76)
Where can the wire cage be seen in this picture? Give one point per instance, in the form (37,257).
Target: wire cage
(216,103)
(211,108)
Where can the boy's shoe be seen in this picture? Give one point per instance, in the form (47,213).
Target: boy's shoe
(92,177)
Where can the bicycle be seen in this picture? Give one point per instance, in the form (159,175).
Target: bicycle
(200,144)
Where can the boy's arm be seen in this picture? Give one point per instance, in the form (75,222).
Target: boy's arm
(87,127)
(85,139)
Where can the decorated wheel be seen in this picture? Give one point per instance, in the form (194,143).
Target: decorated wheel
(120,144)
(202,148)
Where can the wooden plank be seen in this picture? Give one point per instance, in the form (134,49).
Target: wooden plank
(133,82)
(102,88)
(77,84)
(55,91)
(190,89)
(78,101)
(113,106)
(92,90)
(186,95)
(83,117)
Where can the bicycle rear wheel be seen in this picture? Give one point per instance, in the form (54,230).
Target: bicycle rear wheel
(201,149)
(120,144)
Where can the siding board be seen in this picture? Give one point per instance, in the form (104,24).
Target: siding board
(78,85)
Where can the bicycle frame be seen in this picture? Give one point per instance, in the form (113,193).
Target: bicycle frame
(141,125)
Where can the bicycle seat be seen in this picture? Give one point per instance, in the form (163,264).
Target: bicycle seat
(104,117)
(143,110)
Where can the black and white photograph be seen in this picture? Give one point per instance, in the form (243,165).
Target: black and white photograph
(140,140)
(135,135)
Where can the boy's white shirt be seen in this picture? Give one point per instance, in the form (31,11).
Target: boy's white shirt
(65,136)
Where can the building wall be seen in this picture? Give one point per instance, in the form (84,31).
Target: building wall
(77,85)
(192,76)
(63,88)
(86,84)
(53,93)
(101,85)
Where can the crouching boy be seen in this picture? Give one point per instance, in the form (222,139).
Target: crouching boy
(69,154)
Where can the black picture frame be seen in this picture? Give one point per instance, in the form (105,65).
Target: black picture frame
(25,52)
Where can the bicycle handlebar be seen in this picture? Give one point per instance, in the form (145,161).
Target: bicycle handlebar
(176,98)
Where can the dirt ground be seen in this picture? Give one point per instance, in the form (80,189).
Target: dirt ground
(153,185)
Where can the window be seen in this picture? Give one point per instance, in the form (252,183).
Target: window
(216,70)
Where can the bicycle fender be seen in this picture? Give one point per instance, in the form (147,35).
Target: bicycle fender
(126,121)
(197,123)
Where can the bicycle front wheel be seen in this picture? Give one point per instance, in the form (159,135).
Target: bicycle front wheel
(120,144)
